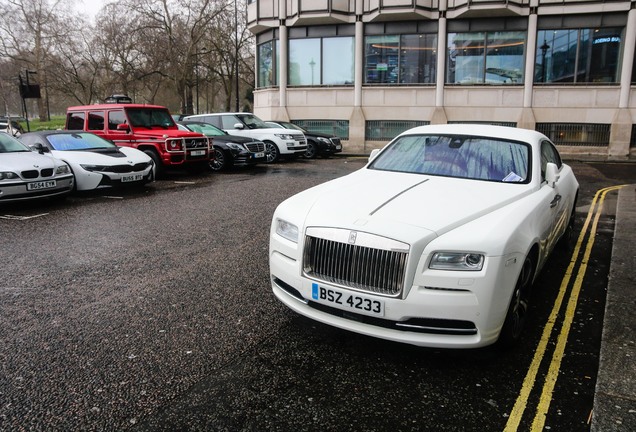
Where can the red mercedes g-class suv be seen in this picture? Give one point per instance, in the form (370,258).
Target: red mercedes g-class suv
(149,128)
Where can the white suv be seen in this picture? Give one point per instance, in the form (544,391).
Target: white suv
(285,142)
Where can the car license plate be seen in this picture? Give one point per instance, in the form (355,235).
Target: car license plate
(338,146)
(131,178)
(353,302)
(197,153)
(41,185)
(259,155)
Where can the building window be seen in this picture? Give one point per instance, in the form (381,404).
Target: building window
(338,65)
(321,61)
(632,142)
(486,57)
(405,59)
(268,64)
(576,134)
(578,55)
(386,130)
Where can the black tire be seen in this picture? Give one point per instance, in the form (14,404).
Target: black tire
(272,152)
(517,314)
(311,151)
(159,169)
(220,161)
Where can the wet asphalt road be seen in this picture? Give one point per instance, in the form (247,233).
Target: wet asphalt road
(152,310)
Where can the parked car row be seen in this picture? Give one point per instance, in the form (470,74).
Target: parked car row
(120,143)
(51,164)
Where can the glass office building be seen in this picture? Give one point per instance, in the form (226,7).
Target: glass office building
(369,69)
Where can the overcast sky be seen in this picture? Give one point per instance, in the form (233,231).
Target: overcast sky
(91,7)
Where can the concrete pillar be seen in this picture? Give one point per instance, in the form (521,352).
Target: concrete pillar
(621,129)
(357,120)
(531,50)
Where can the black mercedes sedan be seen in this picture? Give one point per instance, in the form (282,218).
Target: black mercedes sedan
(229,150)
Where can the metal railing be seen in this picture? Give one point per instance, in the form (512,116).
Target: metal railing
(576,134)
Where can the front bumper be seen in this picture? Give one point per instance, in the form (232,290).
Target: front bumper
(447,310)
(17,191)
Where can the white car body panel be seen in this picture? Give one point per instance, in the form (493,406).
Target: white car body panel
(502,221)
(88,180)
(18,189)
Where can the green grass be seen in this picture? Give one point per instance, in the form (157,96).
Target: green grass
(57,122)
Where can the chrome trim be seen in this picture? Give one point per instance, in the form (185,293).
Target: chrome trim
(438,329)
(371,264)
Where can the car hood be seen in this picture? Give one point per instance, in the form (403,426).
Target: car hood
(119,156)
(21,161)
(385,200)
(320,135)
(161,134)
(276,131)
(232,139)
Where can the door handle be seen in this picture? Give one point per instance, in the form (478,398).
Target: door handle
(555,201)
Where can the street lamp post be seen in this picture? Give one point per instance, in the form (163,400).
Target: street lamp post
(236,52)
(196,74)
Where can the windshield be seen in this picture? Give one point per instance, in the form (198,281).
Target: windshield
(479,158)
(253,122)
(78,141)
(150,117)
(8,144)
(205,129)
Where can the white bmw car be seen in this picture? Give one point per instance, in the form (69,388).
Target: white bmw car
(435,242)
(26,175)
(96,162)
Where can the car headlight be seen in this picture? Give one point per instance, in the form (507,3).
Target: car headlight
(8,175)
(236,147)
(325,140)
(285,136)
(62,169)
(464,261)
(287,230)
(93,168)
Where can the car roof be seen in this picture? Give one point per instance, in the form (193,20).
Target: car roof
(504,132)
(113,105)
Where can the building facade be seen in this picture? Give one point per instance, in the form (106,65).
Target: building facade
(368,69)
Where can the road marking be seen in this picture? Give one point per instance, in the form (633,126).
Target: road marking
(519,408)
(557,356)
(12,217)
(185,182)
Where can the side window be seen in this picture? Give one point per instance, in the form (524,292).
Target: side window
(96,120)
(213,120)
(229,121)
(115,118)
(549,154)
(75,121)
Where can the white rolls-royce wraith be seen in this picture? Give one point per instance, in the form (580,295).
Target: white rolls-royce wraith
(435,242)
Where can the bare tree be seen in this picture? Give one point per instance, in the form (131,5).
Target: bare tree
(30,31)
(170,32)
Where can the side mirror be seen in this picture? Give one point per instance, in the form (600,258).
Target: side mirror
(239,126)
(40,148)
(373,154)
(551,174)
(123,127)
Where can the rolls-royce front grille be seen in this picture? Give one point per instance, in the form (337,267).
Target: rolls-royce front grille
(359,267)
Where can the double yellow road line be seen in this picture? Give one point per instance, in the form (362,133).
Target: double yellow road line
(514,419)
